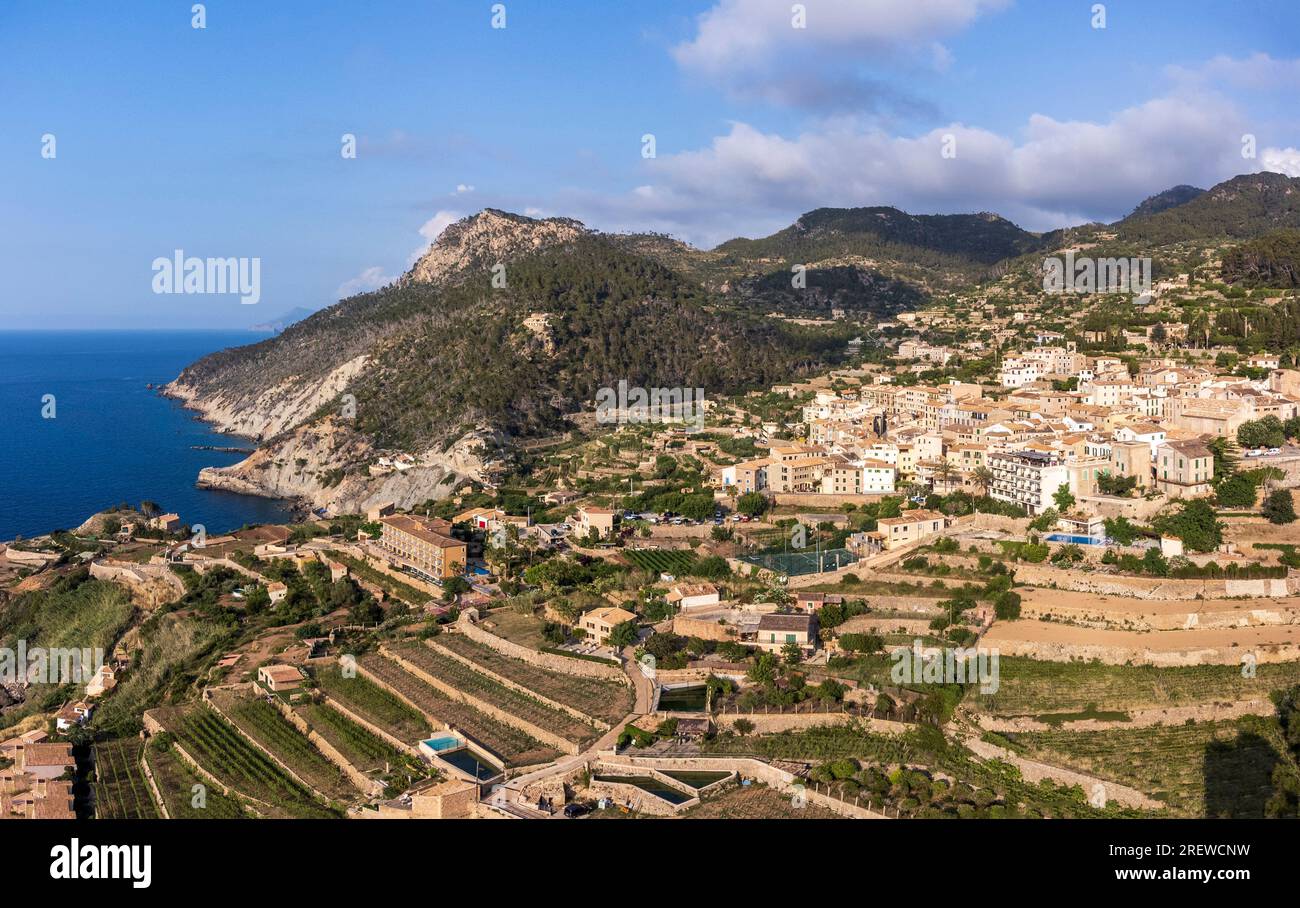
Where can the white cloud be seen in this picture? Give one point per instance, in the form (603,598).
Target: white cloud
(1258,72)
(463,188)
(751,48)
(433,228)
(372,278)
(1053,173)
(377,276)
(1281,160)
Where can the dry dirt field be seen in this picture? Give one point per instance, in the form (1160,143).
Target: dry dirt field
(1219,646)
(1156,613)
(1245,531)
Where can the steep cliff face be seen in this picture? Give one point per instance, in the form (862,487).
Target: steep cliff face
(289,392)
(327,465)
(278,408)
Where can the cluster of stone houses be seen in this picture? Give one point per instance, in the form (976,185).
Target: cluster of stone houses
(1022,444)
(37,781)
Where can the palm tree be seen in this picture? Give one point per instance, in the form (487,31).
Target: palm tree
(982,477)
(944,472)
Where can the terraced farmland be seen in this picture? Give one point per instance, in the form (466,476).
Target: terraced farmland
(261,722)
(1031,687)
(660,561)
(176,781)
(1209,769)
(461,677)
(514,746)
(371,702)
(121,790)
(359,746)
(222,751)
(608,700)
(757,802)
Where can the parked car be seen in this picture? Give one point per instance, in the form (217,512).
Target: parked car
(575,810)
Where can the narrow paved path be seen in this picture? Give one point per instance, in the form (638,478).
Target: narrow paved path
(508,796)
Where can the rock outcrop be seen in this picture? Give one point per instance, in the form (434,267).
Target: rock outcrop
(327,465)
(486,239)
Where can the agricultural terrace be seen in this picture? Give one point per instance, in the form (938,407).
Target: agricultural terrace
(994,788)
(371,702)
(524,628)
(176,780)
(386,582)
(358,745)
(756,802)
(1031,687)
(121,790)
(677,562)
(461,677)
(224,753)
(607,700)
(263,723)
(1206,769)
(516,747)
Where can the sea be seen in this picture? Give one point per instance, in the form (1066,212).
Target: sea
(80,431)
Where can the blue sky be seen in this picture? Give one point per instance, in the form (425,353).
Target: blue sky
(225,141)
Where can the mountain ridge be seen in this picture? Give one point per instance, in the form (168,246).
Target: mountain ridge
(509,324)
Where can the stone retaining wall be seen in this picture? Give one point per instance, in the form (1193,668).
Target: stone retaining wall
(1201,618)
(1032,771)
(1136,655)
(375,729)
(774,723)
(565,664)
(748,767)
(1041,575)
(516,686)
(564,745)
(365,784)
(154,791)
(211,701)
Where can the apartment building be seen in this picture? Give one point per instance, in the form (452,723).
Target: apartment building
(799,474)
(860,477)
(1016,372)
(1028,478)
(414,540)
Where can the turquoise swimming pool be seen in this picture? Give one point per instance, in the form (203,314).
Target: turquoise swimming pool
(444,742)
(1070,537)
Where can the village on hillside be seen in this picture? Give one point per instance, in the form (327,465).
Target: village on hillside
(985,569)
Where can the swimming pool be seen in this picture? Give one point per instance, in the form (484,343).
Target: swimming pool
(443,743)
(1077,540)
(471,763)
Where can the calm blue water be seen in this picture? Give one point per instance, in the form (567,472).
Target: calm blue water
(112,440)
